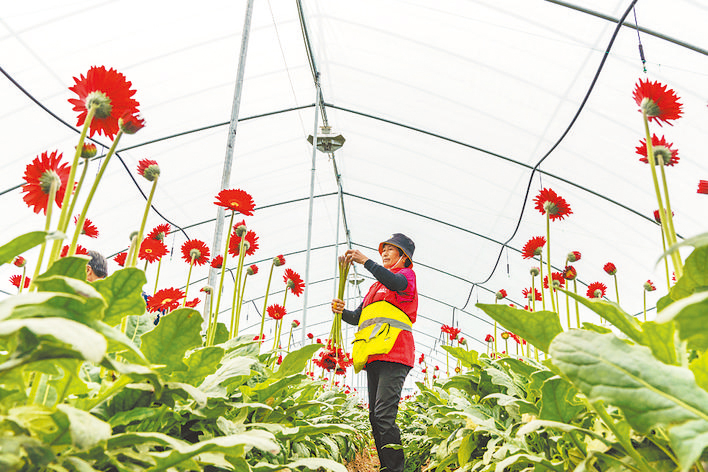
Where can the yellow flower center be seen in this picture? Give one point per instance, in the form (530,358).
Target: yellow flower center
(233,203)
(148,251)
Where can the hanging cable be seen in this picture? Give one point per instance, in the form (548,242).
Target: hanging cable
(639,41)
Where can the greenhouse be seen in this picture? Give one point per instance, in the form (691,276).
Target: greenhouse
(177,310)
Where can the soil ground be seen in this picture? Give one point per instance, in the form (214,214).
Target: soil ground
(365,461)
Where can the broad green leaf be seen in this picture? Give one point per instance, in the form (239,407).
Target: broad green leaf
(699,367)
(468,358)
(690,315)
(649,393)
(524,369)
(122,290)
(695,275)
(91,304)
(176,333)
(558,401)
(547,425)
(532,459)
(222,333)
(25,242)
(698,241)
(26,305)
(597,328)
(271,393)
(538,328)
(184,391)
(660,339)
(200,363)
(137,325)
(15,449)
(308,463)
(303,431)
(85,430)
(231,368)
(296,361)
(70,266)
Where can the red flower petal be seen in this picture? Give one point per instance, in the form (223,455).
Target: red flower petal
(659,103)
(196,250)
(548,201)
(37,180)
(236,200)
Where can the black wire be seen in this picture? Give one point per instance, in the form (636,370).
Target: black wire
(60,120)
(557,143)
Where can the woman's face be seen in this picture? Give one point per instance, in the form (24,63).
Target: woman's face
(391,258)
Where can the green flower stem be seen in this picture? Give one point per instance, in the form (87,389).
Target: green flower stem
(616,289)
(666,260)
(157,276)
(80,184)
(47,223)
(277,334)
(548,260)
(670,218)
(265,304)
(84,211)
(533,295)
(290,336)
(240,302)
(189,276)
(624,441)
(221,281)
(528,349)
(567,308)
(495,337)
(141,231)
(577,307)
(22,279)
(670,236)
(237,286)
(131,249)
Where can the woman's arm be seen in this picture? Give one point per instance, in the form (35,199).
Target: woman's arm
(395,282)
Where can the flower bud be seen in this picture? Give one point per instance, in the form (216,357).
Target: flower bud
(131,124)
(19,261)
(207,289)
(534,271)
(278,260)
(88,150)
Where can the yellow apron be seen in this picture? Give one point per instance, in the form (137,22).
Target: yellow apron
(379,325)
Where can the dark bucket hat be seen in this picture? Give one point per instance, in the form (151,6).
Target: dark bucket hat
(402,242)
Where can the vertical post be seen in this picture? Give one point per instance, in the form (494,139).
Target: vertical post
(228,158)
(309,215)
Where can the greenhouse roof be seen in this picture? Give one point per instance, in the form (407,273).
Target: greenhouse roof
(455,114)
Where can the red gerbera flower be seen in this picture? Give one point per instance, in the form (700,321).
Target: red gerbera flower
(19,261)
(574,256)
(192,303)
(649,286)
(250,245)
(252,270)
(569,273)
(278,260)
(610,268)
(110,92)
(555,276)
(596,290)
(663,153)
(525,292)
(657,216)
(657,102)
(152,250)
(421,359)
(89,229)
(310,335)
(236,200)
(217,262)
(79,250)
(165,299)
(454,333)
(195,250)
(120,258)
(148,169)
(39,175)
(548,201)
(295,323)
(275,311)
(294,282)
(501,294)
(159,232)
(88,150)
(16,279)
(131,123)
(534,247)
(703,187)
(489,339)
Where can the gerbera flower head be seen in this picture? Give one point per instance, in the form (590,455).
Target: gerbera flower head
(131,123)
(574,256)
(240,229)
(152,250)
(252,269)
(276,312)
(557,278)
(295,324)
(534,247)
(534,271)
(657,216)
(649,286)
(294,282)
(279,260)
(236,200)
(19,261)
(160,232)
(89,229)
(17,279)
(548,201)
(527,293)
(165,299)
(207,289)
(79,250)
(658,102)
(610,268)
(489,338)
(663,152)
(120,258)
(192,303)
(596,290)
(217,262)
(506,335)
(195,251)
(310,335)
(250,244)
(421,359)
(39,175)
(88,150)
(109,92)
(501,294)
(149,169)
(569,273)
(703,187)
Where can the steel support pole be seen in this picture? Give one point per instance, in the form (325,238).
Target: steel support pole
(309,215)
(228,158)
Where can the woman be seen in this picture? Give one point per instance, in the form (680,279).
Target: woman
(390,307)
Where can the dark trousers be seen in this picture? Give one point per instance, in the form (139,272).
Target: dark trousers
(385,380)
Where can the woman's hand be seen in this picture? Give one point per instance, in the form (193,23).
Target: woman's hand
(337,305)
(354,255)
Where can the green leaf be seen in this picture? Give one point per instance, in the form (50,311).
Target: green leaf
(699,367)
(122,290)
(689,313)
(538,328)
(698,241)
(91,304)
(70,266)
(85,430)
(177,332)
(649,393)
(529,459)
(200,363)
(558,402)
(26,305)
(303,431)
(137,325)
(308,463)
(296,361)
(222,333)
(25,242)
(695,275)
(468,358)
(231,368)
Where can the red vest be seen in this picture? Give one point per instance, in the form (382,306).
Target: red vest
(403,351)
